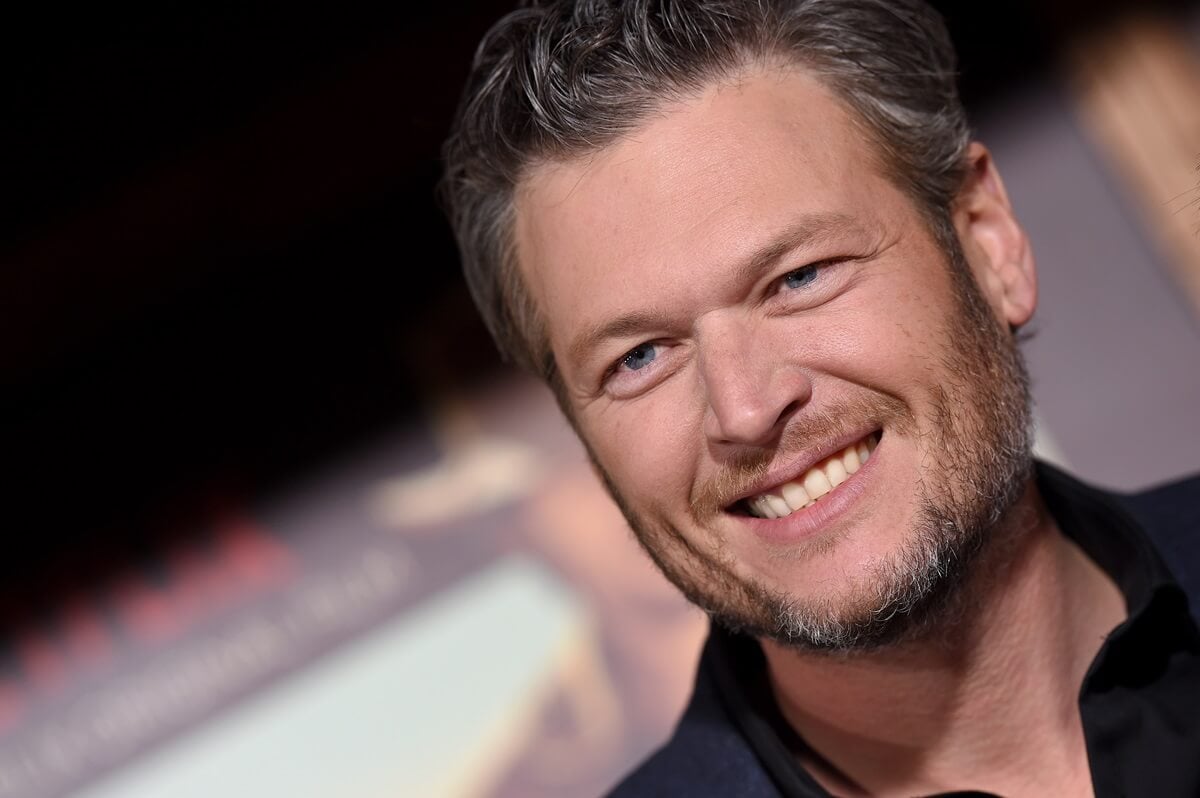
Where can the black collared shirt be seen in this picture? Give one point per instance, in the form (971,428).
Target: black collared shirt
(1140,699)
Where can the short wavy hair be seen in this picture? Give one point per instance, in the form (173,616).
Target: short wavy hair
(559,79)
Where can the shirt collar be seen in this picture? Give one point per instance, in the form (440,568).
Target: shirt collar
(1109,536)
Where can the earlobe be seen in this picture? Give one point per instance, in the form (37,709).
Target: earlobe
(994,242)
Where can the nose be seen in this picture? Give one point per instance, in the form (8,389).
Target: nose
(752,388)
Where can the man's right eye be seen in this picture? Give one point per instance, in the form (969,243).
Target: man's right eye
(642,368)
(639,357)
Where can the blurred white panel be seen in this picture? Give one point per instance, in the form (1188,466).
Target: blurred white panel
(427,705)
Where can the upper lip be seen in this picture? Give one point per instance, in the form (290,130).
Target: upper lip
(799,463)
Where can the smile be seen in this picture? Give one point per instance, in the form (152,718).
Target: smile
(811,486)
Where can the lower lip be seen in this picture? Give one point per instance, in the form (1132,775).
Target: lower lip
(822,514)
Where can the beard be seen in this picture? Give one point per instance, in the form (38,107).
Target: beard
(980,439)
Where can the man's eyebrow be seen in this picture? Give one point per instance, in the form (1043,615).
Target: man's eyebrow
(624,325)
(807,230)
(804,231)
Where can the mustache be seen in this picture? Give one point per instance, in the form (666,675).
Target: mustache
(743,469)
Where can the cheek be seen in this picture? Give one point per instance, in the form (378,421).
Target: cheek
(649,446)
(886,335)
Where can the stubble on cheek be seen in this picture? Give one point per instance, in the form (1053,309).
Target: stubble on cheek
(698,564)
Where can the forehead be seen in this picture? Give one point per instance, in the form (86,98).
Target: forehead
(690,193)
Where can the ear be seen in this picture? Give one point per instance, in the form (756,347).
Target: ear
(995,245)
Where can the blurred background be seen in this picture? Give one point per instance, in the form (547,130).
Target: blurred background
(279,523)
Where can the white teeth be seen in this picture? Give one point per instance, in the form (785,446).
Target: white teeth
(763,507)
(779,506)
(816,483)
(795,495)
(836,471)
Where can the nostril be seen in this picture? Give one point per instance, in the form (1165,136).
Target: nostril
(792,408)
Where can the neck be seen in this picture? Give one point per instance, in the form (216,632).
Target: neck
(988,700)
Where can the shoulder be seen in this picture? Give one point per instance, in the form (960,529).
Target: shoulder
(1174,506)
(1170,515)
(706,756)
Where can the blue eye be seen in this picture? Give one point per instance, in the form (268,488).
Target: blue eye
(639,357)
(801,277)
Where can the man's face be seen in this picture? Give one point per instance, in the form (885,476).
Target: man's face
(806,416)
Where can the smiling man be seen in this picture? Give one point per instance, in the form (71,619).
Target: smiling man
(775,288)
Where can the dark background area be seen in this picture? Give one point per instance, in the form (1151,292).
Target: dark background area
(221,262)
